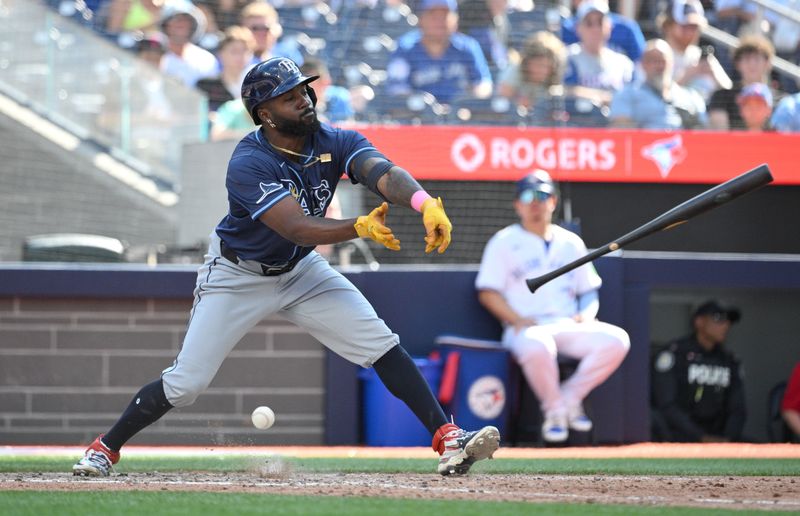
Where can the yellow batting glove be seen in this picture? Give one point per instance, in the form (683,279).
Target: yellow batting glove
(373,226)
(437,225)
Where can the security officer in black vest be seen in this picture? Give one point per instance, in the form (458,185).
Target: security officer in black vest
(697,392)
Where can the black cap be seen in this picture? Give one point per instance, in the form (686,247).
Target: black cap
(712,307)
(538,180)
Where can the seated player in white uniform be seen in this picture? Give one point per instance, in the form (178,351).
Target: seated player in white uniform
(560,317)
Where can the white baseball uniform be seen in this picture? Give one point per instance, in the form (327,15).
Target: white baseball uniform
(511,256)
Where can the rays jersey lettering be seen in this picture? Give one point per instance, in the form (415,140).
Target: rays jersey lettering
(313,202)
(703,374)
(259,177)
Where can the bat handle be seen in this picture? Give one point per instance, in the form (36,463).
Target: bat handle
(535,283)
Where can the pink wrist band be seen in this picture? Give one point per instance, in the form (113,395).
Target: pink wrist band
(418,198)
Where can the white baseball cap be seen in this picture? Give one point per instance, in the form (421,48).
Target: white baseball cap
(590,6)
(688,12)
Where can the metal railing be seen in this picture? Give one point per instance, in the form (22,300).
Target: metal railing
(780,65)
(98,91)
(786,12)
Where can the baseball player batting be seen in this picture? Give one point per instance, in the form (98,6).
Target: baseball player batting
(261,261)
(559,318)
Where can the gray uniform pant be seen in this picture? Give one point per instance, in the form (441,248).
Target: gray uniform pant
(229,299)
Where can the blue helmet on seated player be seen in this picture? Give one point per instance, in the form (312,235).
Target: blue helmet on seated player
(272,78)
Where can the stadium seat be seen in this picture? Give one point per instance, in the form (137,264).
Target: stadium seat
(372,49)
(316,20)
(393,20)
(569,111)
(524,23)
(491,111)
(415,108)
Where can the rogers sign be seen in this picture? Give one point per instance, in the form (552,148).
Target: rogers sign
(469,152)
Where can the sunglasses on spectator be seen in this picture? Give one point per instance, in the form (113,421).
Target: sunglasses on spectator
(528,196)
(719,317)
(259,28)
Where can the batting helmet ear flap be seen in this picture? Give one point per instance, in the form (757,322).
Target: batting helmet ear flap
(312,95)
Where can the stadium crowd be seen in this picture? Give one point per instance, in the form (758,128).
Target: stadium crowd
(499,62)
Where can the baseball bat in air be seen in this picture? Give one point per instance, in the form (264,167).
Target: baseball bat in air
(708,200)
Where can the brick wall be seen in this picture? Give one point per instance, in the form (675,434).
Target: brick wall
(68,367)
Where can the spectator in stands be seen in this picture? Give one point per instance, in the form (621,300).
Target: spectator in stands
(755,107)
(693,67)
(221,14)
(559,318)
(591,65)
(231,121)
(540,68)
(626,36)
(151,112)
(786,117)
(133,15)
(151,48)
(790,405)
(183,23)
(262,20)
(235,52)
(657,101)
(437,59)
(753,61)
(697,390)
(741,17)
(477,19)
(333,102)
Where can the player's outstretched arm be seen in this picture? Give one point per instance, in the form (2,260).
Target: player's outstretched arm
(288,220)
(397,186)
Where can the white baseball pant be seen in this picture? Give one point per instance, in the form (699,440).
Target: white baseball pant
(599,346)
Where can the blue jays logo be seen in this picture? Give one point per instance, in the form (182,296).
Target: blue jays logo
(486,397)
(666,153)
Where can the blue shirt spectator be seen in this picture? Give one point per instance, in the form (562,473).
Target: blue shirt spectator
(438,60)
(786,117)
(477,20)
(626,35)
(334,103)
(657,102)
(263,21)
(590,63)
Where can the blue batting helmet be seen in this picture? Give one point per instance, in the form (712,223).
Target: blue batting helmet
(271,78)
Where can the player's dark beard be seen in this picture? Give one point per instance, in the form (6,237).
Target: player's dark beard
(296,127)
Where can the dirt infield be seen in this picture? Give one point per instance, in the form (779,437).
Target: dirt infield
(275,477)
(764,493)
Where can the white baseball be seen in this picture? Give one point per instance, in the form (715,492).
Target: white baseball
(263,418)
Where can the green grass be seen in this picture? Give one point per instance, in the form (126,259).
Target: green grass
(157,503)
(684,467)
(124,503)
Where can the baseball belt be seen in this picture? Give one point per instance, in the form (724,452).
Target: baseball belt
(266,270)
